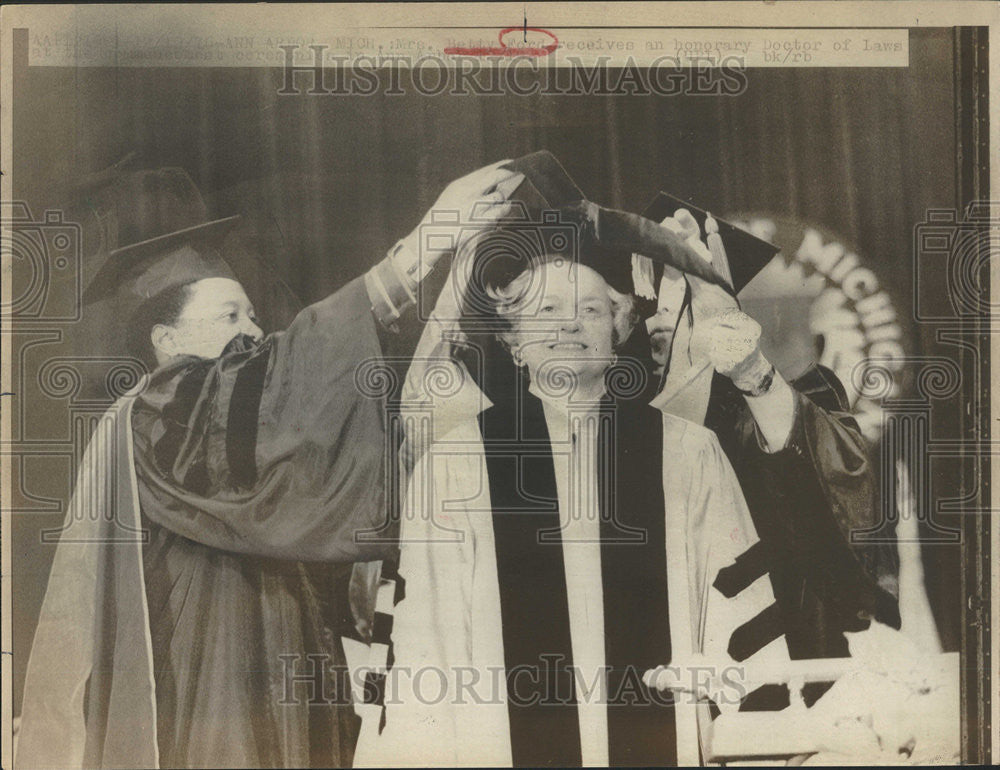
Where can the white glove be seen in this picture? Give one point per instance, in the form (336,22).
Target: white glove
(685,225)
(731,341)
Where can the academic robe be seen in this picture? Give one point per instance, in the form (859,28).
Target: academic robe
(186,642)
(488,594)
(811,500)
(808,500)
(741,605)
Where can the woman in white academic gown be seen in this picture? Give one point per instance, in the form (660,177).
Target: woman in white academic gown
(534,545)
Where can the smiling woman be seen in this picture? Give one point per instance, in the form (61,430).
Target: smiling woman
(523,552)
(564,318)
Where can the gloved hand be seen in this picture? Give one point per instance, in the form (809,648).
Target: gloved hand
(731,341)
(722,334)
(685,225)
(670,295)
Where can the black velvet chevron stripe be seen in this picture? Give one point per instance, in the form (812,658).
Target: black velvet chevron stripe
(756,634)
(382,634)
(243,418)
(749,566)
(382,628)
(374,688)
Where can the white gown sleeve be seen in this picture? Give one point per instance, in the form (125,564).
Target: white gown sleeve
(435,714)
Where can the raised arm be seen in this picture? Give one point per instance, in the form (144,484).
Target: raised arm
(805,470)
(283,449)
(813,498)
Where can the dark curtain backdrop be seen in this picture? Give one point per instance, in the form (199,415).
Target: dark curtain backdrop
(329,183)
(861,151)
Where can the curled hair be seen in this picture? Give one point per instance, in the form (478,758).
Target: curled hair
(509,299)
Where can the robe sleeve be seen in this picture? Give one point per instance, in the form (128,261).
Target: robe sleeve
(813,503)
(278,450)
(433,625)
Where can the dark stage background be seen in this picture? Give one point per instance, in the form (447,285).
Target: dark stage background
(328,183)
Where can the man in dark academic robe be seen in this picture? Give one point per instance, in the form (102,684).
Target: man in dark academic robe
(804,469)
(184,625)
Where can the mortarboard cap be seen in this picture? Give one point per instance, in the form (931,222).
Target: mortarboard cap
(141,271)
(607,237)
(746,253)
(152,227)
(544,220)
(546,183)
